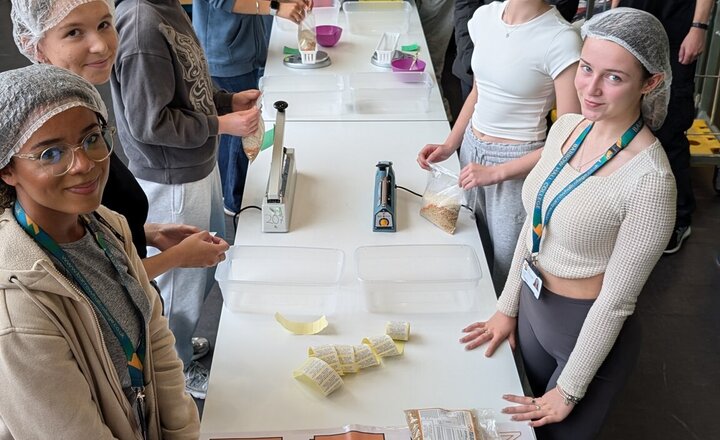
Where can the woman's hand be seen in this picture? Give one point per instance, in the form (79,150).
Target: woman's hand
(245,100)
(294,10)
(433,153)
(166,235)
(240,123)
(475,174)
(495,330)
(550,408)
(201,250)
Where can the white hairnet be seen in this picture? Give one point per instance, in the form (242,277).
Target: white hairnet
(32,95)
(32,18)
(642,35)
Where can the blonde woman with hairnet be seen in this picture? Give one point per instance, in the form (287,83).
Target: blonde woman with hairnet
(79,35)
(84,349)
(600,208)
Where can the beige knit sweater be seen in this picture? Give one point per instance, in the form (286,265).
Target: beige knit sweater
(617,224)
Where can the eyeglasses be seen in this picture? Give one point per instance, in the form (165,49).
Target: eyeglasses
(58,159)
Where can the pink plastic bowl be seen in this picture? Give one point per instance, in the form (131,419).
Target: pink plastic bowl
(403,65)
(328,35)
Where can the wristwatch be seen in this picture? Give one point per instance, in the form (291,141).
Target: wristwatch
(274,6)
(699,25)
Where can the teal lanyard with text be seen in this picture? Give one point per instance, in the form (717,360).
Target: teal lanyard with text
(135,356)
(538,223)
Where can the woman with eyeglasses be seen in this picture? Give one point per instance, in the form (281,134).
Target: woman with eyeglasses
(84,349)
(79,35)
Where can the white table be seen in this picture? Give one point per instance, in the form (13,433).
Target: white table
(352,54)
(251,385)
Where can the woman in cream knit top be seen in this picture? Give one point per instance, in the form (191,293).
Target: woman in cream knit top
(600,244)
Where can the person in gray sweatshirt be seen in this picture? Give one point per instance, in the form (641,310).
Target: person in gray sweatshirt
(169,117)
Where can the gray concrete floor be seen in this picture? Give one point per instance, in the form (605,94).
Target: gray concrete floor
(673,393)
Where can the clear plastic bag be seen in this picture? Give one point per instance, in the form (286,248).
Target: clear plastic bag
(253,142)
(307,40)
(442,198)
(446,424)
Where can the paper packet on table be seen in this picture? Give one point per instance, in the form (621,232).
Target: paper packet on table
(442,198)
(443,424)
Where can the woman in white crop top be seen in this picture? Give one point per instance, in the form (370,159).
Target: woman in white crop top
(524,62)
(601,207)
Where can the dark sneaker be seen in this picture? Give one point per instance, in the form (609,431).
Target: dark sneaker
(201,347)
(196,380)
(676,239)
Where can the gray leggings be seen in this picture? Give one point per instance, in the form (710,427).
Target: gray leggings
(547,331)
(499,211)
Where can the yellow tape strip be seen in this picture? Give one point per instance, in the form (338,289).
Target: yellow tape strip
(302,328)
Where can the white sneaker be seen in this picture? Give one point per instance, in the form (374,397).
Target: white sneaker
(196,380)
(229,212)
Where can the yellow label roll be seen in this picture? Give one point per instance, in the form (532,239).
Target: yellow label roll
(317,372)
(384,345)
(328,354)
(398,330)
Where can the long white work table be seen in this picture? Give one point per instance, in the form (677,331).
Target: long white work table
(352,55)
(252,388)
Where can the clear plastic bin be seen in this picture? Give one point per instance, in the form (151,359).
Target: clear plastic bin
(390,92)
(376,17)
(418,278)
(306,95)
(269,279)
(324,11)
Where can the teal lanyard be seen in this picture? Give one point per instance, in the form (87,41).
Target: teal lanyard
(538,223)
(135,356)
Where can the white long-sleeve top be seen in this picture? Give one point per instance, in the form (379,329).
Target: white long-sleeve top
(618,225)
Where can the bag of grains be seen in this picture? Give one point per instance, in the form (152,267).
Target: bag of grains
(442,198)
(252,142)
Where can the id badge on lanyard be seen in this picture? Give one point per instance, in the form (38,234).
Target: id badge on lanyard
(531,277)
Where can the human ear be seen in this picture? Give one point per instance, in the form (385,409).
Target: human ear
(652,82)
(7,175)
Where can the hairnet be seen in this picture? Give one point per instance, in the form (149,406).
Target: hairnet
(32,18)
(643,36)
(32,95)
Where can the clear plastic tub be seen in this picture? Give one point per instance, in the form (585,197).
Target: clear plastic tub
(325,12)
(306,95)
(376,17)
(390,92)
(418,278)
(269,279)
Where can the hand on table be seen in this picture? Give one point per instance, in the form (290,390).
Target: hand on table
(433,153)
(475,174)
(495,330)
(550,408)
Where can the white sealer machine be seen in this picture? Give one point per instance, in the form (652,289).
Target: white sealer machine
(278,201)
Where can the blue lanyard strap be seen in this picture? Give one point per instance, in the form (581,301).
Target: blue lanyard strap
(135,356)
(538,223)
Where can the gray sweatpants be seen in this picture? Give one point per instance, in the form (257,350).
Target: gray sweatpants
(499,211)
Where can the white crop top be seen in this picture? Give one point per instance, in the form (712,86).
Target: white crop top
(514,68)
(617,224)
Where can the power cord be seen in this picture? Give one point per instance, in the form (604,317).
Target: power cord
(235,217)
(408,190)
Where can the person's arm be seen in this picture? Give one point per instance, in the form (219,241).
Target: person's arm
(694,42)
(197,250)
(643,235)
(45,394)
(566,98)
(293,10)
(432,153)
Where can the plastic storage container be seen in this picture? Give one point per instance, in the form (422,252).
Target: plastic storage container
(269,279)
(418,278)
(306,95)
(390,92)
(376,17)
(325,12)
